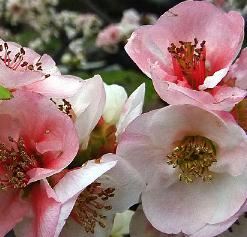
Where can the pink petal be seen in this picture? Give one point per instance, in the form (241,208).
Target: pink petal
(176,94)
(57,86)
(75,181)
(144,151)
(46,210)
(221,97)
(127,182)
(239,70)
(14,79)
(166,205)
(12,210)
(72,228)
(141,227)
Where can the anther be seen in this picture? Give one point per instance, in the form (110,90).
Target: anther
(193,156)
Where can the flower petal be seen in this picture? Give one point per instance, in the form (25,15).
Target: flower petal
(132,109)
(116,97)
(12,210)
(88,105)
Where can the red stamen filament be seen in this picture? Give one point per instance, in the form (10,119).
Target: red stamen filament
(189,62)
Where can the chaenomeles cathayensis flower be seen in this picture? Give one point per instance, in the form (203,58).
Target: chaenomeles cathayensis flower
(36,141)
(188,52)
(52,206)
(197,168)
(22,68)
(90,196)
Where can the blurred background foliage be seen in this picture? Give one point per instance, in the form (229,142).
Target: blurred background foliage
(87,37)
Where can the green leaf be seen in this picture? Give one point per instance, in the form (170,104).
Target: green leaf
(5,94)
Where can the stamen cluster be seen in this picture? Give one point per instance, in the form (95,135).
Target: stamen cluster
(17,62)
(15,163)
(193,156)
(89,205)
(189,62)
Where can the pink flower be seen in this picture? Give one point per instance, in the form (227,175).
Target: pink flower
(37,141)
(194,165)
(188,52)
(52,206)
(111,35)
(95,207)
(22,68)
(85,200)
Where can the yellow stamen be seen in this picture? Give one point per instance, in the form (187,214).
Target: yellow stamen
(193,156)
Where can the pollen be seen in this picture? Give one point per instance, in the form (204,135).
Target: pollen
(15,162)
(90,206)
(193,157)
(189,62)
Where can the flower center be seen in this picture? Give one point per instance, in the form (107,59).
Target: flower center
(14,165)
(193,156)
(189,62)
(90,205)
(17,62)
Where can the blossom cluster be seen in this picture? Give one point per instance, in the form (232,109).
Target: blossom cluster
(79,158)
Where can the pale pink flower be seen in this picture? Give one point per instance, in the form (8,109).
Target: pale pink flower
(115,33)
(37,141)
(194,165)
(22,68)
(90,196)
(50,206)
(188,52)
(114,192)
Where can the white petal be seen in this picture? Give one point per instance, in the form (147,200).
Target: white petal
(132,109)
(116,97)
(212,81)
